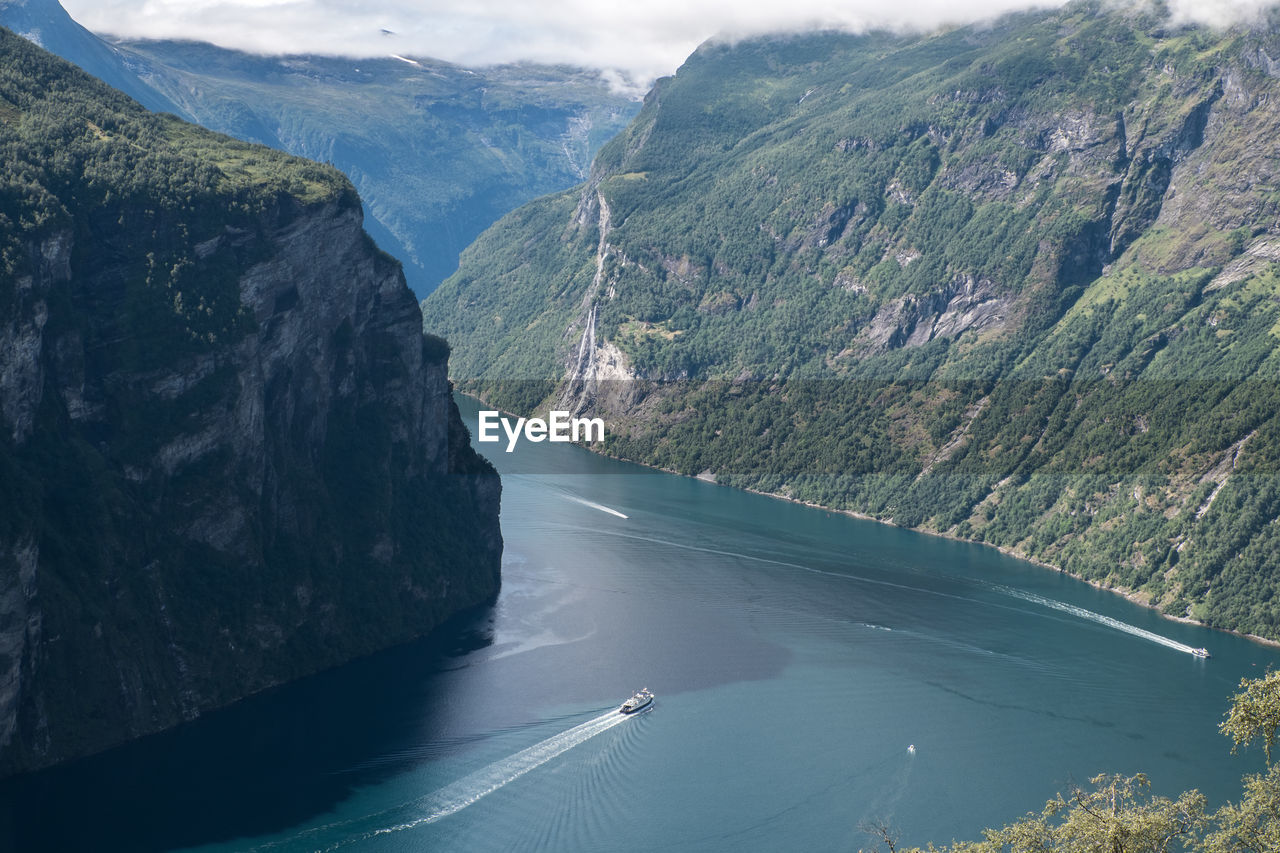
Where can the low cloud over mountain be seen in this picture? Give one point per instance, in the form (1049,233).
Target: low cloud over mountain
(634,42)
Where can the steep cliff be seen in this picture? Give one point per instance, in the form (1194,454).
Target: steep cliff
(1014,283)
(228,454)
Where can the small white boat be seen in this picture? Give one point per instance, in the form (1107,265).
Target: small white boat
(912,749)
(1200,652)
(636,702)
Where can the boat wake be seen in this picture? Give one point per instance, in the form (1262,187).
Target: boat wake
(600,507)
(883,806)
(1102,620)
(453,798)
(448,800)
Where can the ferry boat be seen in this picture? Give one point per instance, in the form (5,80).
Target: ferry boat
(1200,652)
(636,702)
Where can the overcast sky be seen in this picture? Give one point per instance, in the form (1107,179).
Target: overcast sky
(641,39)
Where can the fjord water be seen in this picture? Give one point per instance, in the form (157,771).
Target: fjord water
(796,656)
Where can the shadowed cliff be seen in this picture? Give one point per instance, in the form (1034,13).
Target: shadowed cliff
(228,455)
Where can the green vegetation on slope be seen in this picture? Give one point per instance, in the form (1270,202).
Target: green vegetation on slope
(1016,284)
(48,24)
(73,149)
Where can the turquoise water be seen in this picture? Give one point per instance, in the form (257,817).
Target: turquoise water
(796,655)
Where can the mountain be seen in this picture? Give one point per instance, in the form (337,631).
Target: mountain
(438,152)
(228,455)
(47,24)
(1014,283)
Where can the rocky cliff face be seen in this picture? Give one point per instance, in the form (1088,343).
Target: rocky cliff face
(228,455)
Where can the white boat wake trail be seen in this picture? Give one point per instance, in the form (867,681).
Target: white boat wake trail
(448,800)
(452,799)
(600,507)
(1099,618)
(884,804)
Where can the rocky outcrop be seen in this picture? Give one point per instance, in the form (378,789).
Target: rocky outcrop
(912,321)
(228,455)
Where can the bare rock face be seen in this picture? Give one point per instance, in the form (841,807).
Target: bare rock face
(224,487)
(911,321)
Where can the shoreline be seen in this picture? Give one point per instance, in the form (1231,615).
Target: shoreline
(1130,595)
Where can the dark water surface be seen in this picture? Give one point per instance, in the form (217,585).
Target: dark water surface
(795,654)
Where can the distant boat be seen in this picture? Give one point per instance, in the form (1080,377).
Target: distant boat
(1200,652)
(912,749)
(636,702)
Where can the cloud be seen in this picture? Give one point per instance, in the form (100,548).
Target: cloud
(636,41)
(1217,13)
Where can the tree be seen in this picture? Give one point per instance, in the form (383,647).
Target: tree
(1117,815)
(882,832)
(1253,826)
(1255,713)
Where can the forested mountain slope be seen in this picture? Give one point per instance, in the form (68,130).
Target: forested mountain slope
(228,455)
(1014,283)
